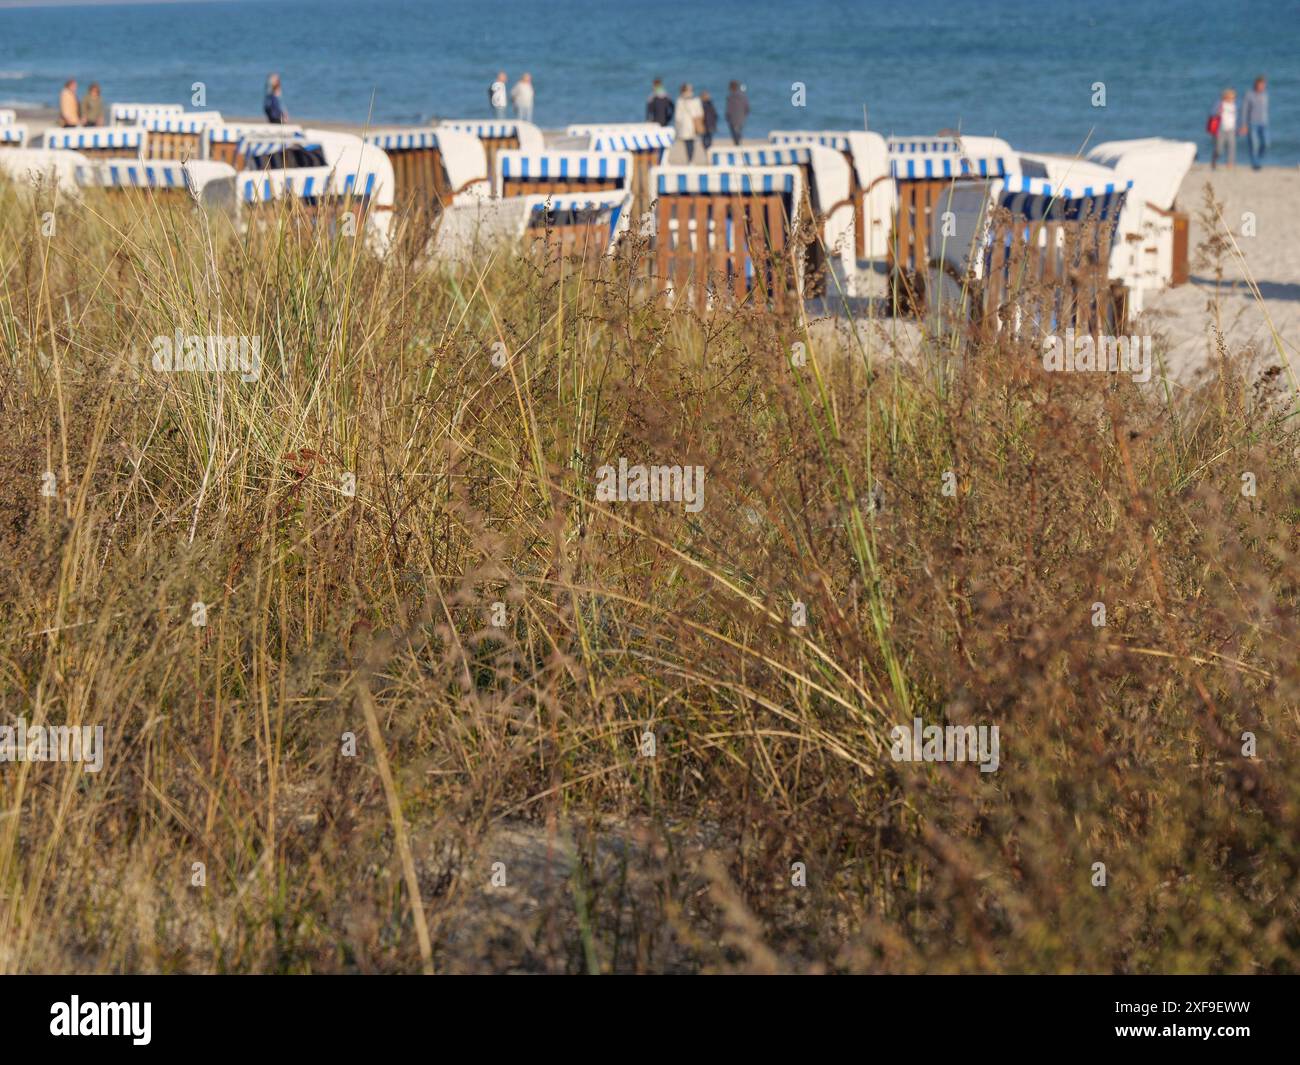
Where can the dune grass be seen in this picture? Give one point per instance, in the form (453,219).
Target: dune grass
(350,521)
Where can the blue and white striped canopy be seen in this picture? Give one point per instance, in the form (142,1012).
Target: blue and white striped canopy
(922,166)
(397,140)
(838,141)
(726,182)
(251,149)
(788,156)
(305,183)
(13,135)
(106,137)
(8,116)
(485,130)
(178,123)
(156,175)
(924,146)
(234,132)
(658,140)
(567,166)
(1036,198)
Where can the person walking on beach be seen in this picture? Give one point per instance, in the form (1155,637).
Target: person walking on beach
(522,95)
(497,96)
(689,119)
(69,112)
(92,106)
(658,108)
(737,111)
(271,102)
(1223,127)
(1254,121)
(710,121)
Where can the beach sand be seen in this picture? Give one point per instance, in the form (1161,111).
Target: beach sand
(1182,318)
(1271,258)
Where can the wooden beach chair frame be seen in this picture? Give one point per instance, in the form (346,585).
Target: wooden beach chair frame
(827,208)
(725,234)
(1038,254)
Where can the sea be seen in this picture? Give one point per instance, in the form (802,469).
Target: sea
(1046,75)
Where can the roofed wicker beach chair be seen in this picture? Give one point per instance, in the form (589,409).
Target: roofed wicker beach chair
(558,228)
(828,207)
(1151,247)
(179,135)
(925,171)
(321,176)
(433,166)
(200,181)
(224,138)
(1032,253)
(724,234)
(42,168)
(13,135)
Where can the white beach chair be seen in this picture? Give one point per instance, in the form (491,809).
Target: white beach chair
(42,167)
(1151,252)
(352,176)
(204,182)
(13,135)
(8,116)
(433,165)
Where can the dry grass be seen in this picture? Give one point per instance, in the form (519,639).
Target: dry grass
(370,614)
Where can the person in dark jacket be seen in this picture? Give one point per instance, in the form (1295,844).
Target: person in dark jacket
(271,104)
(710,121)
(658,106)
(737,111)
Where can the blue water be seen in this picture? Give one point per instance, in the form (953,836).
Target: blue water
(1021,70)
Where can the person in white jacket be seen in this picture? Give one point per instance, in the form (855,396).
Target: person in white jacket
(688,117)
(522,95)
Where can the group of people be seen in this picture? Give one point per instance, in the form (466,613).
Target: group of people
(521,96)
(1228,122)
(88,111)
(695,117)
